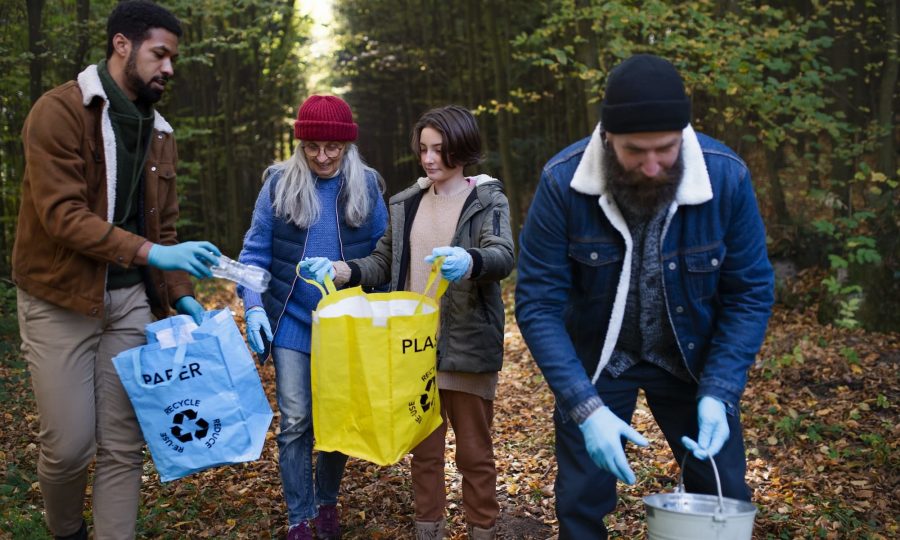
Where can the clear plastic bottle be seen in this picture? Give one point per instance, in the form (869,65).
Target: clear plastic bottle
(253,277)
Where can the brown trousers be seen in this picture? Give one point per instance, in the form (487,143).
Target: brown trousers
(471,417)
(84,410)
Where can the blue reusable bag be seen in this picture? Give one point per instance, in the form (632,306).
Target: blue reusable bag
(196,393)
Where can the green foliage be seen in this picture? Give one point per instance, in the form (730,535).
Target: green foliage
(19,516)
(789,425)
(9,325)
(773,82)
(397,63)
(850,355)
(239,76)
(804,92)
(849,246)
(773,366)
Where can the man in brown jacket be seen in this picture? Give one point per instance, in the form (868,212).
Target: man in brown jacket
(96,259)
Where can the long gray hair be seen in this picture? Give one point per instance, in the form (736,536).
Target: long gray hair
(297,202)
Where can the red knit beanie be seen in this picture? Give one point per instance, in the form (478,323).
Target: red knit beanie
(325,118)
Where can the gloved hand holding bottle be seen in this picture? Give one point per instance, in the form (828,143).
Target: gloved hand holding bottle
(194,258)
(257,323)
(317,268)
(713,429)
(457,261)
(603,432)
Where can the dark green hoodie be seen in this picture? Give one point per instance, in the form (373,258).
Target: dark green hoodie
(132,123)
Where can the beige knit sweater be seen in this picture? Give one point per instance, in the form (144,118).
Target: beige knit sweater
(433,226)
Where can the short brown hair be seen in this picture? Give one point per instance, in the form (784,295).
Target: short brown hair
(461,140)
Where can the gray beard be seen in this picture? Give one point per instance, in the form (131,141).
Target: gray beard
(638,195)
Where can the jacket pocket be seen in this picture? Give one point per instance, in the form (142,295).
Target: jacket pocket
(703,271)
(595,268)
(596,253)
(166,172)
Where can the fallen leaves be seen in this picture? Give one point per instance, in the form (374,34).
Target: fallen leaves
(821,434)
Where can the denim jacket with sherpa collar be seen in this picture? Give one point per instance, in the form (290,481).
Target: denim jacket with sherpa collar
(575,263)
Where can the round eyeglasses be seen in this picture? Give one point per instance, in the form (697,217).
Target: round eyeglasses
(331,150)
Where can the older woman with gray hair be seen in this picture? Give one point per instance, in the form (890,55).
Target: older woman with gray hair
(324,201)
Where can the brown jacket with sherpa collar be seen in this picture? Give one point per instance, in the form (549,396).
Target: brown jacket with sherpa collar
(65,238)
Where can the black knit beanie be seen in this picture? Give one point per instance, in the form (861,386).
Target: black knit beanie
(645,93)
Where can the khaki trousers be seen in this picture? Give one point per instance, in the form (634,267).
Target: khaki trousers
(84,410)
(471,417)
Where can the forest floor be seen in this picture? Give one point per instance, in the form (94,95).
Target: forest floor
(820,420)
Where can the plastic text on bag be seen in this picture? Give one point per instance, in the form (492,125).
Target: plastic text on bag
(416,346)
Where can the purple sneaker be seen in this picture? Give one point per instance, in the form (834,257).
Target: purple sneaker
(300,532)
(328,523)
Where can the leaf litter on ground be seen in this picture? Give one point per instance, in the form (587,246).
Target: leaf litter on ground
(820,427)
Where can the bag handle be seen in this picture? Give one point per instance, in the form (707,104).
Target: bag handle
(329,287)
(180,352)
(442,284)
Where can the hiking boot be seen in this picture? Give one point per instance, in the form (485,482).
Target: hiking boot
(301,531)
(477,533)
(429,530)
(328,523)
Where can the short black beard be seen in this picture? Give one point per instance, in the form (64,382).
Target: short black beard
(638,195)
(145,93)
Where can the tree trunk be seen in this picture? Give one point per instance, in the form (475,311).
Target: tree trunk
(84,42)
(775,162)
(852,92)
(587,53)
(501,86)
(887,153)
(230,237)
(35,37)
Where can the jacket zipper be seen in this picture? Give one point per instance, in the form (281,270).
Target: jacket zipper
(465,219)
(302,254)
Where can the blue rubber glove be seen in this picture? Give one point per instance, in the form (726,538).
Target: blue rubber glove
(257,320)
(317,268)
(713,429)
(194,258)
(456,263)
(603,432)
(188,305)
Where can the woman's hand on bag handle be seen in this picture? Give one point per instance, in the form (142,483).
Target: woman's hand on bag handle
(317,268)
(457,262)
(257,321)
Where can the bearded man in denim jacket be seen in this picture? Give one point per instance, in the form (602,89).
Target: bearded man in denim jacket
(643,265)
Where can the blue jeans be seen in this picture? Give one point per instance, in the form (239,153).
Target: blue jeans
(585,493)
(302,494)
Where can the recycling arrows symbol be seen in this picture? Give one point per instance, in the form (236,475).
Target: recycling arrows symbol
(427,399)
(183,432)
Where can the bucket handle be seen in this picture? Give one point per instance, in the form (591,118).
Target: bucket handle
(712,461)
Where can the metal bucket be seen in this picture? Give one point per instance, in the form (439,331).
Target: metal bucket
(690,516)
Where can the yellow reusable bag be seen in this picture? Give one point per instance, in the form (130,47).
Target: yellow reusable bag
(373,373)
